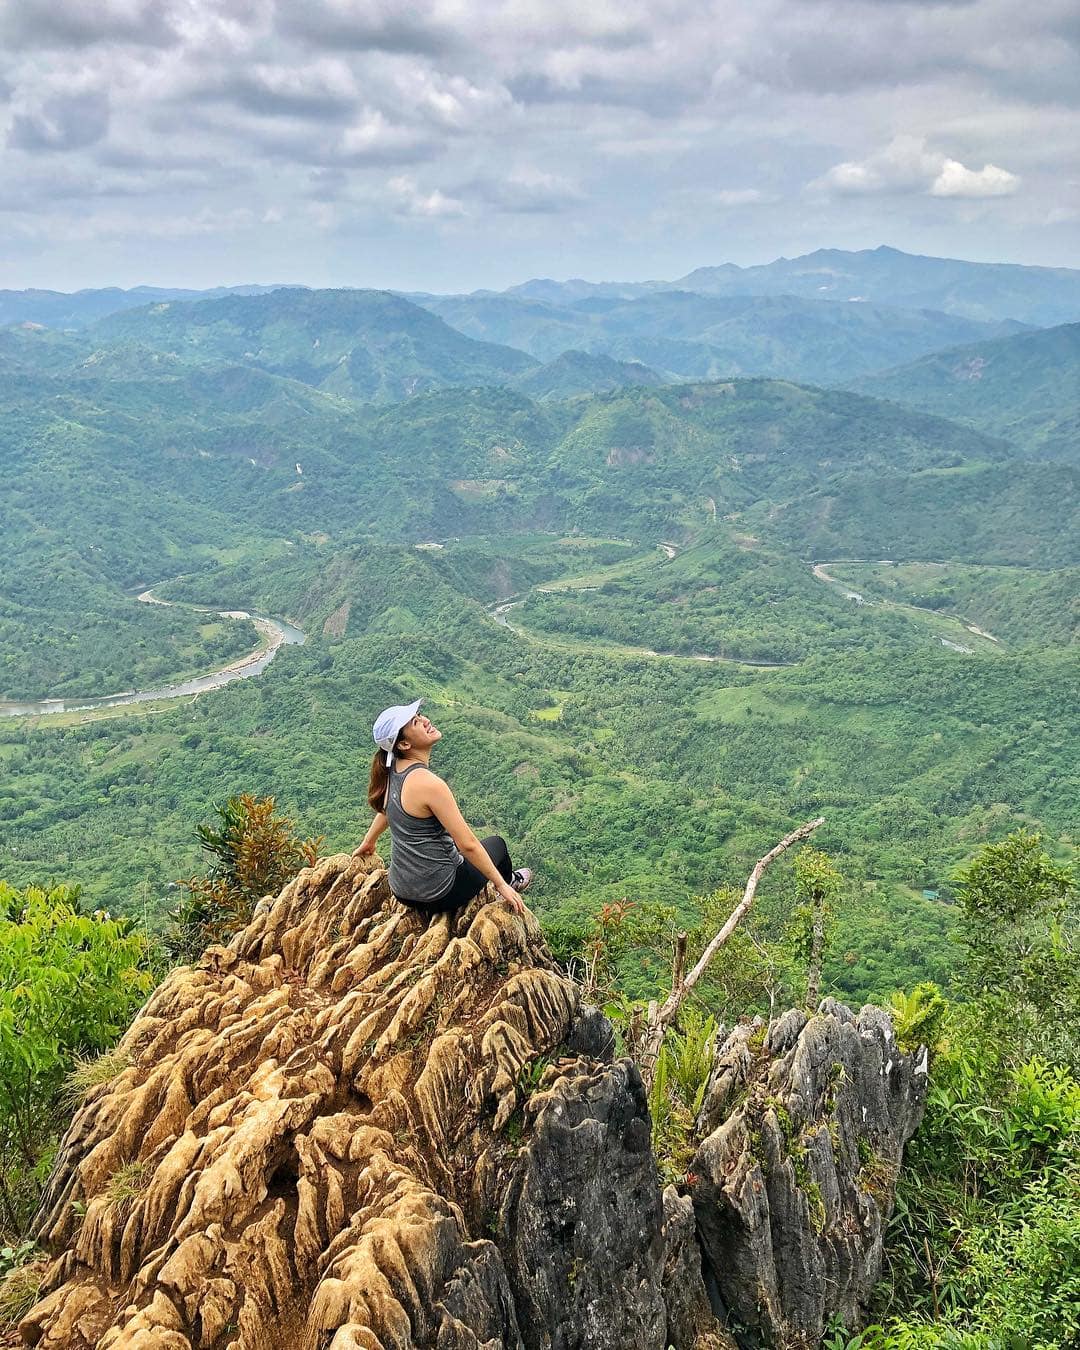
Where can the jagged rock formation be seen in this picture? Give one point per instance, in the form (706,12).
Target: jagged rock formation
(324,1126)
(353,1129)
(804,1125)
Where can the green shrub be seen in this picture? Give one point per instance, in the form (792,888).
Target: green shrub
(69,983)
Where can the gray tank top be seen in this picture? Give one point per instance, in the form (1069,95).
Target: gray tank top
(424,859)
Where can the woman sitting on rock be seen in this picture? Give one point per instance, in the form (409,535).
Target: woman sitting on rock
(437,863)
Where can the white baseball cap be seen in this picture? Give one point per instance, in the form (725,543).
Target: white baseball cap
(389,723)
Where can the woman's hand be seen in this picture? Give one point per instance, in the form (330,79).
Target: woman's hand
(366,849)
(512,898)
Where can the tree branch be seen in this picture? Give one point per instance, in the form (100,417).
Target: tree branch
(661,1018)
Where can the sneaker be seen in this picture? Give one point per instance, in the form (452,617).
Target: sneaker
(521,879)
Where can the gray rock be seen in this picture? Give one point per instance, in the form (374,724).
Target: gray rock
(805,1127)
(477,1309)
(691,1322)
(580,1223)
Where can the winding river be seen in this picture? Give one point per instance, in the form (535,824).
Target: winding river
(273,634)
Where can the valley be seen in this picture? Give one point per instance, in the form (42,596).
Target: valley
(641,674)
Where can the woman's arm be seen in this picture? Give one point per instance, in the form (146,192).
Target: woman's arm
(440,801)
(376,828)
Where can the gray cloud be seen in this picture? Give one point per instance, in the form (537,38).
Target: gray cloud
(325,93)
(86,23)
(61,123)
(524,192)
(366,25)
(662,133)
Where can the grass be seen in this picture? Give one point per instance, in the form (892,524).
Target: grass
(126,1186)
(18,1293)
(88,1073)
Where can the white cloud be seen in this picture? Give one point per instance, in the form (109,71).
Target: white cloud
(908,165)
(955,180)
(410,200)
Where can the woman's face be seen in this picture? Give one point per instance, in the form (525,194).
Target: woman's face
(421,733)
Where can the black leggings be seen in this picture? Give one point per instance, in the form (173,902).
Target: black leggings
(468,880)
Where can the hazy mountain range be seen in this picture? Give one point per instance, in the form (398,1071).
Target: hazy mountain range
(831,318)
(884,276)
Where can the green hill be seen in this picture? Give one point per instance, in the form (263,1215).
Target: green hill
(573,374)
(59,309)
(1025,388)
(690,336)
(367,345)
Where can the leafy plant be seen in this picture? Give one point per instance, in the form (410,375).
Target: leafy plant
(254,853)
(19,1290)
(918,1017)
(678,1089)
(69,982)
(817,886)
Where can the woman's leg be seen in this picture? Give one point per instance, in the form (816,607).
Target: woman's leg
(469,880)
(495,847)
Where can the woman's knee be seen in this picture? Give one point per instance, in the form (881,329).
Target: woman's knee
(495,847)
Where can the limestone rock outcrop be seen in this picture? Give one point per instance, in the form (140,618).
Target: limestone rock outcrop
(354,1128)
(803,1127)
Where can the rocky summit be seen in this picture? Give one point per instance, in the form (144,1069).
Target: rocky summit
(353,1128)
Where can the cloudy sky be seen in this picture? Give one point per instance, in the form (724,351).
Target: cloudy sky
(452,144)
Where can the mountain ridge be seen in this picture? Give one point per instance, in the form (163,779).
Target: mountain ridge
(1025,387)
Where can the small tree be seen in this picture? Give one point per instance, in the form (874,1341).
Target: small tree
(817,886)
(69,984)
(1020,933)
(254,853)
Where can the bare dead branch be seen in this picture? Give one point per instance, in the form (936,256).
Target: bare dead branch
(660,1019)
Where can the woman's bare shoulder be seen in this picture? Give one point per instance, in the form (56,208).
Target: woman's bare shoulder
(426,786)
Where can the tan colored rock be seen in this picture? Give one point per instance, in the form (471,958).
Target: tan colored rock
(315,1119)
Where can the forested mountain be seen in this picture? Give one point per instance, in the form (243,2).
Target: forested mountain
(368,345)
(58,309)
(881,276)
(885,277)
(572,374)
(127,463)
(1025,388)
(690,336)
(136,466)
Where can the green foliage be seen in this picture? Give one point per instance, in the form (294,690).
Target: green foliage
(11,1257)
(67,630)
(1020,935)
(69,982)
(1021,387)
(1021,606)
(817,888)
(680,1078)
(254,853)
(919,1017)
(985,1242)
(20,1286)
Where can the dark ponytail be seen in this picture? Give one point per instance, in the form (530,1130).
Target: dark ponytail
(380,775)
(376,788)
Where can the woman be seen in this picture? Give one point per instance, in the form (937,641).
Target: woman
(437,863)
